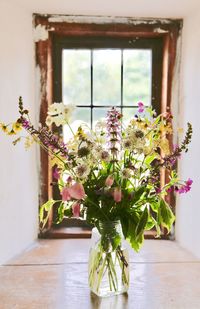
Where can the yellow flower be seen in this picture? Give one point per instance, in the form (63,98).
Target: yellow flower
(4,128)
(80,134)
(11,132)
(17,126)
(164,145)
(166,129)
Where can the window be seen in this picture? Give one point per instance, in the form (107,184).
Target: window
(95,74)
(104,45)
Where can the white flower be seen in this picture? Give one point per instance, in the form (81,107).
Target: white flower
(82,170)
(126,173)
(59,113)
(55,109)
(100,125)
(126,143)
(67,111)
(103,155)
(48,121)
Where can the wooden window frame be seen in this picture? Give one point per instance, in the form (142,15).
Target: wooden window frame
(46,27)
(91,43)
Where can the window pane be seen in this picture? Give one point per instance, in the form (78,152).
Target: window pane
(128,114)
(76,76)
(106,77)
(137,76)
(79,115)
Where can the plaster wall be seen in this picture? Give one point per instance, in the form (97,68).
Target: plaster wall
(18,168)
(188,206)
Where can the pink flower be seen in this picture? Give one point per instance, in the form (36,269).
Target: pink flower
(186,187)
(56,174)
(77,191)
(141,107)
(158,190)
(76,209)
(109,181)
(189,182)
(65,194)
(69,179)
(117,195)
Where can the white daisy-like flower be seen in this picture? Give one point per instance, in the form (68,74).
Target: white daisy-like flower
(59,113)
(100,125)
(55,109)
(126,173)
(67,111)
(82,170)
(126,143)
(104,155)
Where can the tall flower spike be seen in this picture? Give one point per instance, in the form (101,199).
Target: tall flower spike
(114,131)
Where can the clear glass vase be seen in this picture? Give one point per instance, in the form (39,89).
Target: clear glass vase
(108,269)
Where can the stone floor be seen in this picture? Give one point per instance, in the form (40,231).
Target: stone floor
(52,274)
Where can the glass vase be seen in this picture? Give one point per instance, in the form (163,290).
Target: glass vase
(108,269)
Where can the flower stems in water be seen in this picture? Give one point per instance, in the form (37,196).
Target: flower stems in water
(110,266)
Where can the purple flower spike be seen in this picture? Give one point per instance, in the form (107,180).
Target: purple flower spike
(140,107)
(25,123)
(186,187)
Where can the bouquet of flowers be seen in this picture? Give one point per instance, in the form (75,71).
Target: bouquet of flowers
(111,173)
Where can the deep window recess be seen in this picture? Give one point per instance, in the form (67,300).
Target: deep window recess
(91,41)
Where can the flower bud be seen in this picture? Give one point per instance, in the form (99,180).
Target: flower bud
(117,195)
(109,181)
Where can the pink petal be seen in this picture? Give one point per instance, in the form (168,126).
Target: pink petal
(140,110)
(56,174)
(109,181)
(117,195)
(76,209)
(65,194)
(140,104)
(77,191)
(189,182)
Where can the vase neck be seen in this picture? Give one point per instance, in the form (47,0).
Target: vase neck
(110,228)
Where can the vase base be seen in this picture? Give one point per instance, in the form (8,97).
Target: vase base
(104,294)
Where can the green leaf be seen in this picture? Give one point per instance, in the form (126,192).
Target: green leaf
(139,194)
(60,211)
(135,240)
(135,243)
(149,159)
(166,216)
(150,223)
(45,211)
(142,223)
(154,205)
(158,230)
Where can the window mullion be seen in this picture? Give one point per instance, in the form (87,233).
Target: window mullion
(91,111)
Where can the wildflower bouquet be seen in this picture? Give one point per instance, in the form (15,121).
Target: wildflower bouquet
(111,173)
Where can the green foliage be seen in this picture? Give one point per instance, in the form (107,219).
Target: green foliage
(45,211)
(165,214)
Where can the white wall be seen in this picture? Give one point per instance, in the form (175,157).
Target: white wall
(188,206)
(19,187)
